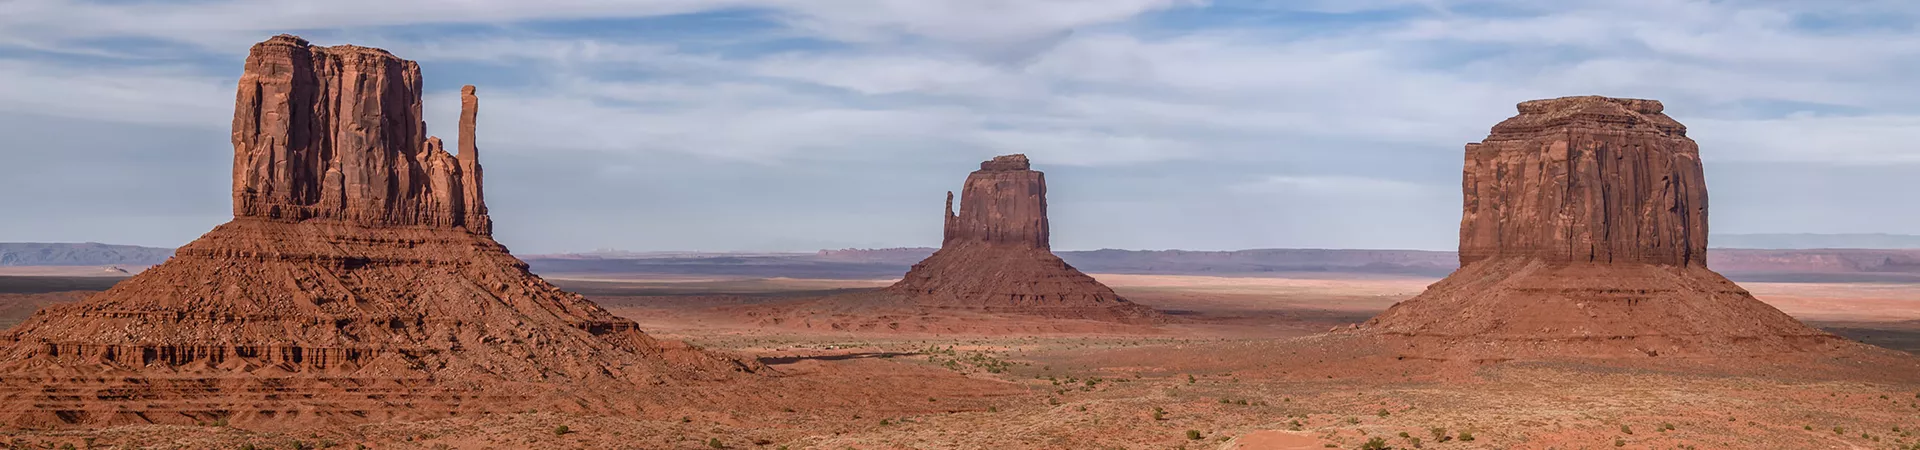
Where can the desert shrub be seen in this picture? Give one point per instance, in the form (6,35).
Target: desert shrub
(561,430)
(1375,444)
(1193,435)
(1619,442)
(1465,436)
(1439,434)
(1159,414)
(1626,429)
(715,443)
(1383,413)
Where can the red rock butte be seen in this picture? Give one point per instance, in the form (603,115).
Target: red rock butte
(1584,233)
(357,281)
(996,255)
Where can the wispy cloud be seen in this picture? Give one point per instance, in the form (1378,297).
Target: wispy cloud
(1211,91)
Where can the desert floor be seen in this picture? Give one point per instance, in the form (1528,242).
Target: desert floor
(1247,364)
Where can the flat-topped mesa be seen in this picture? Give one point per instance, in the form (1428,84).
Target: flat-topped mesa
(1586,179)
(1583,234)
(336,133)
(1003,203)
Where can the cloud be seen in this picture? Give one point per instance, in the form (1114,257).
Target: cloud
(1349,101)
(164,95)
(1336,185)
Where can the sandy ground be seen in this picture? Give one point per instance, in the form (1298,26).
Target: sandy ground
(1248,365)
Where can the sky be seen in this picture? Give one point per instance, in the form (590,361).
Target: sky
(796,125)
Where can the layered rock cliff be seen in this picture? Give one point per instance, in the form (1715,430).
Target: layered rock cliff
(1005,203)
(337,133)
(1583,233)
(357,281)
(1586,179)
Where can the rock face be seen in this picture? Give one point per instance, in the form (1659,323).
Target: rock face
(1584,233)
(996,255)
(336,133)
(1586,179)
(357,281)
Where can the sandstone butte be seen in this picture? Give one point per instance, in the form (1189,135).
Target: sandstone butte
(997,255)
(357,281)
(1584,233)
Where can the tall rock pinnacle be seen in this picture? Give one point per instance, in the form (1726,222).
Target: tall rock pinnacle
(1584,233)
(1586,179)
(475,202)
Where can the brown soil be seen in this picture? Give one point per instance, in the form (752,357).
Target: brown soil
(358,323)
(1523,307)
(1260,341)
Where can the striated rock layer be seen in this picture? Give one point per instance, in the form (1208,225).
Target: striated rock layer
(997,257)
(1584,233)
(357,281)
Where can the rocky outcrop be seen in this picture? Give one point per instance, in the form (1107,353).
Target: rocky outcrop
(1584,233)
(996,255)
(357,281)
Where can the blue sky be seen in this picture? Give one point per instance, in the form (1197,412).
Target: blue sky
(806,124)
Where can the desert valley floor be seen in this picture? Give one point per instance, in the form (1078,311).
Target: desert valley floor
(1245,363)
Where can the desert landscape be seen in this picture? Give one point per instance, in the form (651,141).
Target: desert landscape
(1129,254)
(357,299)
(1261,340)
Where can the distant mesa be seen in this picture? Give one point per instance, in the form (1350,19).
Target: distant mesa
(995,273)
(1584,232)
(997,255)
(358,281)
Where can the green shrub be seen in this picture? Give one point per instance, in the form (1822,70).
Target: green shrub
(1193,435)
(561,430)
(1465,436)
(715,443)
(1375,444)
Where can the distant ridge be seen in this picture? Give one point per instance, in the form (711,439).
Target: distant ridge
(80,254)
(1793,241)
